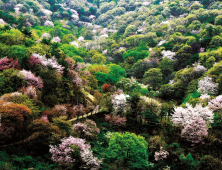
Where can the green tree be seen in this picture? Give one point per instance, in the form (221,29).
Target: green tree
(101,77)
(183,55)
(128,148)
(151,120)
(166,66)
(99,58)
(153,77)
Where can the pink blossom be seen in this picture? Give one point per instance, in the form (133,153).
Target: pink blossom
(216,104)
(195,131)
(31,78)
(6,63)
(206,85)
(161,155)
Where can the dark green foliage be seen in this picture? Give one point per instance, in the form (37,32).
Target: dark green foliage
(151,120)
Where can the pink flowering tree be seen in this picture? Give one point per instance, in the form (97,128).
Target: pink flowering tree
(6,63)
(161,155)
(31,78)
(116,120)
(195,131)
(216,104)
(41,59)
(74,150)
(87,129)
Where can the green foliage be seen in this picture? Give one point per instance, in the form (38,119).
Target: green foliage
(151,120)
(64,125)
(139,53)
(188,162)
(101,77)
(153,77)
(129,148)
(10,81)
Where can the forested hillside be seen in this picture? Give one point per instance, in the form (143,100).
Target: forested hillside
(110,84)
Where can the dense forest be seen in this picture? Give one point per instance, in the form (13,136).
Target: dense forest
(110,84)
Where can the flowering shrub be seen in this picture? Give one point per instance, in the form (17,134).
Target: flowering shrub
(168,54)
(119,103)
(56,39)
(216,104)
(78,110)
(152,104)
(48,24)
(205,97)
(31,78)
(195,131)
(116,120)
(200,69)
(183,116)
(206,85)
(30,91)
(161,155)
(63,152)
(87,129)
(6,63)
(49,62)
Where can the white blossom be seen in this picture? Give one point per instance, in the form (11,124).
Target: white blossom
(74,43)
(46,35)
(48,23)
(80,39)
(161,43)
(47,12)
(168,54)
(183,116)
(75,17)
(56,39)
(206,85)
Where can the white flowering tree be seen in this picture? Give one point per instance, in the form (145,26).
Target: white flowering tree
(183,116)
(206,85)
(119,103)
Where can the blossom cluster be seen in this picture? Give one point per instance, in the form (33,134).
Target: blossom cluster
(183,116)
(195,132)
(116,120)
(119,102)
(48,23)
(216,104)
(206,85)
(31,78)
(161,155)
(49,62)
(168,54)
(63,153)
(6,63)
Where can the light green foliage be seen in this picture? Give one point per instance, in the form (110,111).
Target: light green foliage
(78,58)
(129,30)
(196,6)
(129,148)
(99,58)
(153,77)
(216,41)
(218,20)
(67,38)
(210,62)
(12,37)
(217,54)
